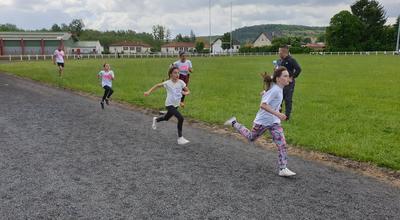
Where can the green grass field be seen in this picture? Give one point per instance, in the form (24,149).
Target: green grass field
(347,106)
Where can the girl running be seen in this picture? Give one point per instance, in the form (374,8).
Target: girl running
(268,117)
(185,68)
(107,76)
(176,88)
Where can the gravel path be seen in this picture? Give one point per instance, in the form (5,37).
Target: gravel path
(62,157)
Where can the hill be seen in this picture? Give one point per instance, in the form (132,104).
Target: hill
(249,34)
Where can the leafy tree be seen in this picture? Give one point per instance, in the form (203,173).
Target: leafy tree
(168,35)
(76,26)
(56,28)
(192,36)
(199,47)
(321,38)
(180,38)
(65,27)
(159,32)
(344,32)
(9,27)
(373,18)
(292,41)
(226,41)
(306,40)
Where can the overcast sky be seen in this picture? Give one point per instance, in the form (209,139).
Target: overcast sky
(180,16)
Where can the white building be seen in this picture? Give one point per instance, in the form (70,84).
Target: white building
(129,47)
(176,47)
(86,47)
(262,40)
(217,47)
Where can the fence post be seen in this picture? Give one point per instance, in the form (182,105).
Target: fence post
(10,57)
(37,57)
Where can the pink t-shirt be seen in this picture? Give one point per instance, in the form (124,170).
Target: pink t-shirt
(59,56)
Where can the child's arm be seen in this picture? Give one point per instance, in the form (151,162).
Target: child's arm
(268,108)
(152,89)
(185,91)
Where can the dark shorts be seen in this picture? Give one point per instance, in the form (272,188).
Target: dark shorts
(60,64)
(184,78)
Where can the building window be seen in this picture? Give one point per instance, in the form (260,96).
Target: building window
(138,49)
(125,48)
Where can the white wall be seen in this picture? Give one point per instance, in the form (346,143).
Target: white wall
(217,48)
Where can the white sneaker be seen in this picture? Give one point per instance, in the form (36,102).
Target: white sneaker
(154,125)
(286,172)
(229,121)
(182,141)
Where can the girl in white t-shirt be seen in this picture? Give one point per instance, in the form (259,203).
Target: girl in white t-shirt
(175,89)
(268,116)
(185,69)
(107,76)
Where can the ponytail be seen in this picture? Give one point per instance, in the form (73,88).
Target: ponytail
(269,79)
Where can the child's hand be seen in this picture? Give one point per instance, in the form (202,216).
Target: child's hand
(281,116)
(185,93)
(262,92)
(146,93)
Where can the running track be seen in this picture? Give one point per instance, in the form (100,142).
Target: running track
(62,157)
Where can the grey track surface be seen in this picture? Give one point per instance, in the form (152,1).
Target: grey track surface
(62,157)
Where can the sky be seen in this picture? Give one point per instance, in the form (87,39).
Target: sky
(180,16)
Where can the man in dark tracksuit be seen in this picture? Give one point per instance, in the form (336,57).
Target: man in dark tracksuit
(294,70)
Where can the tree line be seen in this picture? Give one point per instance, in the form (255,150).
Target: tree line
(361,29)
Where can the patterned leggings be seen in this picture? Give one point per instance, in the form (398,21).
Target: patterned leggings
(276,132)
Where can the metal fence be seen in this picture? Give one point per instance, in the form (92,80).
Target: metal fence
(168,55)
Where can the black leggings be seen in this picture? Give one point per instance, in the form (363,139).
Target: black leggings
(107,92)
(173,111)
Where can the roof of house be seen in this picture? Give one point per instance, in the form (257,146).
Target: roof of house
(268,35)
(130,44)
(35,35)
(179,44)
(86,44)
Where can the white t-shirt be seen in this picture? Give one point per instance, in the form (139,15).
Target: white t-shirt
(106,78)
(273,97)
(183,66)
(174,92)
(59,56)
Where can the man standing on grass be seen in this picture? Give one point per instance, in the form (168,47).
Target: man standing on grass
(294,70)
(58,58)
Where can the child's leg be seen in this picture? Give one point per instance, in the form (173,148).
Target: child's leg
(184,78)
(168,115)
(110,92)
(179,116)
(252,135)
(278,137)
(106,91)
